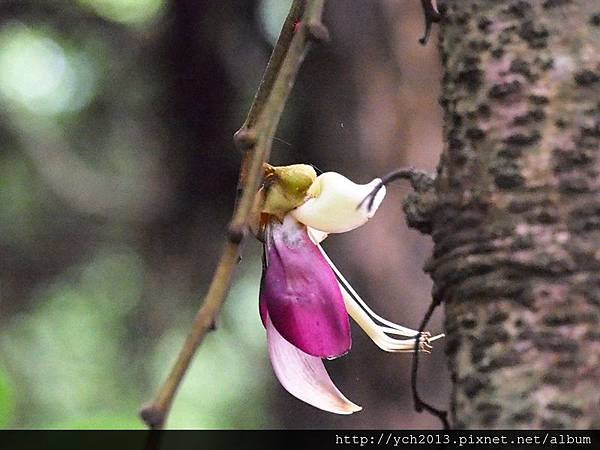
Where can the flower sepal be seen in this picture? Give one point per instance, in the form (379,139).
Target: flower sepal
(286,187)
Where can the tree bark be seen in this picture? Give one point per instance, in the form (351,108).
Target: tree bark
(515,212)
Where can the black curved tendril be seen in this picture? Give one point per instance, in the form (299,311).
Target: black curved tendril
(409,173)
(431,16)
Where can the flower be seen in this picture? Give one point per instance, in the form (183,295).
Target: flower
(305,302)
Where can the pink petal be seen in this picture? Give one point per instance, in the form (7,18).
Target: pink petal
(301,293)
(304,376)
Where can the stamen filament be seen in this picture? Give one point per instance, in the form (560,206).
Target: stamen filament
(375,332)
(399,329)
(424,333)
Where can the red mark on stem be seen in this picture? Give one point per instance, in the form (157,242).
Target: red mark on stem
(297,26)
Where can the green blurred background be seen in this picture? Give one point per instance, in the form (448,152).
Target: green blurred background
(117,178)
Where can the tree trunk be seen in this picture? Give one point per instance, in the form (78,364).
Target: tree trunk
(515,212)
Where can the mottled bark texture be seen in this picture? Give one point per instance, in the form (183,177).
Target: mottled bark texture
(515,212)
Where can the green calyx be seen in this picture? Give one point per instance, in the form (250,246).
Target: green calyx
(286,187)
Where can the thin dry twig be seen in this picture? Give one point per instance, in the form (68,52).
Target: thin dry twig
(255,137)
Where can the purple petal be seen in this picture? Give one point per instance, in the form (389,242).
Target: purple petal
(262,304)
(304,376)
(262,309)
(301,293)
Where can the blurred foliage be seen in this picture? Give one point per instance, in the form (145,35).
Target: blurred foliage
(42,74)
(7,401)
(71,365)
(272,14)
(132,12)
(73,343)
(85,338)
(226,386)
(20,197)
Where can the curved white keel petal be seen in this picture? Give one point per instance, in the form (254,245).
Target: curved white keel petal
(335,208)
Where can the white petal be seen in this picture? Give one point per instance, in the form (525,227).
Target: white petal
(316,236)
(335,209)
(304,376)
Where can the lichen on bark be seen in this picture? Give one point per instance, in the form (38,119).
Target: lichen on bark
(516,217)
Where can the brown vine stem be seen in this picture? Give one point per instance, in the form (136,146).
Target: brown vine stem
(255,137)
